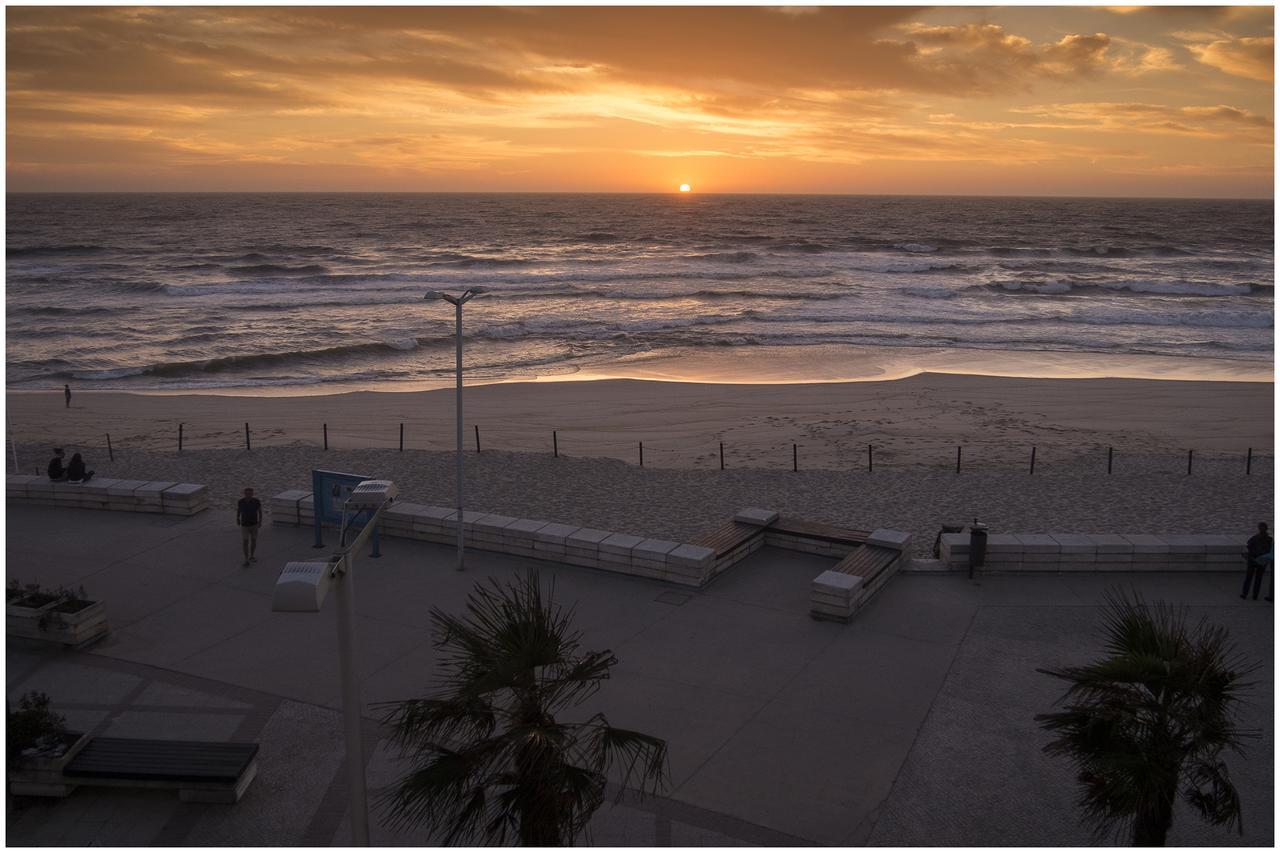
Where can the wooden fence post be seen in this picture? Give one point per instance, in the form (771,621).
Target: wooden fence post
(1248,463)
(958,448)
(110,455)
(326,436)
(477,426)
(555,444)
(1033,459)
(179,438)
(642,454)
(795,459)
(722,456)
(402,438)
(246,436)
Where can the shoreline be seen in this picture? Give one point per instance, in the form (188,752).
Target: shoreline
(819,364)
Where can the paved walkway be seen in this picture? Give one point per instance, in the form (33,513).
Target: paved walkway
(910,726)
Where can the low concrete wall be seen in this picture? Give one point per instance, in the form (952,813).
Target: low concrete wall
(675,562)
(1097,552)
(104,493)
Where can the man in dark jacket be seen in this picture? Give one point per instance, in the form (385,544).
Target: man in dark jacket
(56,470)
(1258,544)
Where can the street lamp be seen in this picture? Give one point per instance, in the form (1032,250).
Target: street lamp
(302,587)
(458,302)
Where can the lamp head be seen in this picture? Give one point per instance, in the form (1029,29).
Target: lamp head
(302,586)
(371,494)
(476,291)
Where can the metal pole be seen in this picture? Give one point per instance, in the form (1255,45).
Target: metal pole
(458,308)
(13,444)
(868,457)
(110,454)
(352,710)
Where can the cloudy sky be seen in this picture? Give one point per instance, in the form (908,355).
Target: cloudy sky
(1027,101)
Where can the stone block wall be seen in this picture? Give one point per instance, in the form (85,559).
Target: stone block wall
(105,493)
(1098,552)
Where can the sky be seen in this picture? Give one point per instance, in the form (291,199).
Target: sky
(1094,101)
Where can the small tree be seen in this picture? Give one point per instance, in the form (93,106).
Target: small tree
(34,729)
(1150,719)
(490,758)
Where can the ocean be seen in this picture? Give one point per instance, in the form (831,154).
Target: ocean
(279,291)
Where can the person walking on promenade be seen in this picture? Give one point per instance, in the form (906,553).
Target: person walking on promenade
(66,391)
(249,519)
(1258,545)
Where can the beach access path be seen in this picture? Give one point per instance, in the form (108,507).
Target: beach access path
(909,726)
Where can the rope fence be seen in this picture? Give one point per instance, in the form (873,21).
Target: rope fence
(715,452)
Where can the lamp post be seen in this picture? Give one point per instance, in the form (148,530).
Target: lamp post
(302,587)
(458,302)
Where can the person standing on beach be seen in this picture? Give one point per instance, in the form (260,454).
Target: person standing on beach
(249,519)
(66,391)
(1258,545)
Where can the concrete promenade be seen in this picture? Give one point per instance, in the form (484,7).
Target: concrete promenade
(911,726)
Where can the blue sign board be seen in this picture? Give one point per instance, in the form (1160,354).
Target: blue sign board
(330,491)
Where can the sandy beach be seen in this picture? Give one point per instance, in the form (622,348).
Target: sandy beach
(914,426)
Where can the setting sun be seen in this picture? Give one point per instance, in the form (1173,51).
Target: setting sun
(684,188)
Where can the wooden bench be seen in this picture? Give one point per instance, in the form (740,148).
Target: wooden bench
(814,538)
(872,564)
(201,771)
(840,591)
(731,543)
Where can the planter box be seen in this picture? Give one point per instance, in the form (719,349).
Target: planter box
(76,629)
(42,776)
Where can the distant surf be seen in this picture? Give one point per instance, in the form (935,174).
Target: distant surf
(263,290)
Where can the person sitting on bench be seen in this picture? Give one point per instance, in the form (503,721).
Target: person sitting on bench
(56,471)
(76,472)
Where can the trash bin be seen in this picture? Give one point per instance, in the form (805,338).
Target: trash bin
(977,546)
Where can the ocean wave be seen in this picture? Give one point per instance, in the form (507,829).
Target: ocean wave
(278,269)
(1136,286)
(916,247)
(43,251)
(726,257)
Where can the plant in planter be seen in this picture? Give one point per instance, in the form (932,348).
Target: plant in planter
(61,615)
(39,746)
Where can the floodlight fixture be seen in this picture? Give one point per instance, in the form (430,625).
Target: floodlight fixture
(371,494)
(302,586)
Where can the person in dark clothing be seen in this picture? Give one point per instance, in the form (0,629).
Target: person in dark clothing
(1258,545)
(76,472)
(66,390)
(249,519)
(56,470)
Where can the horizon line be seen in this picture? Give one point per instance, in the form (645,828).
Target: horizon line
(674,193)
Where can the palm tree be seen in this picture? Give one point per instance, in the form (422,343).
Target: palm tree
(490,758)
(1150,719)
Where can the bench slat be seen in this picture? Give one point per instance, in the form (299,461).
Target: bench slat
(813,530)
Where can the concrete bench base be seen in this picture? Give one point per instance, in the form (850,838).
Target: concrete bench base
(106,493)
(1097,552)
